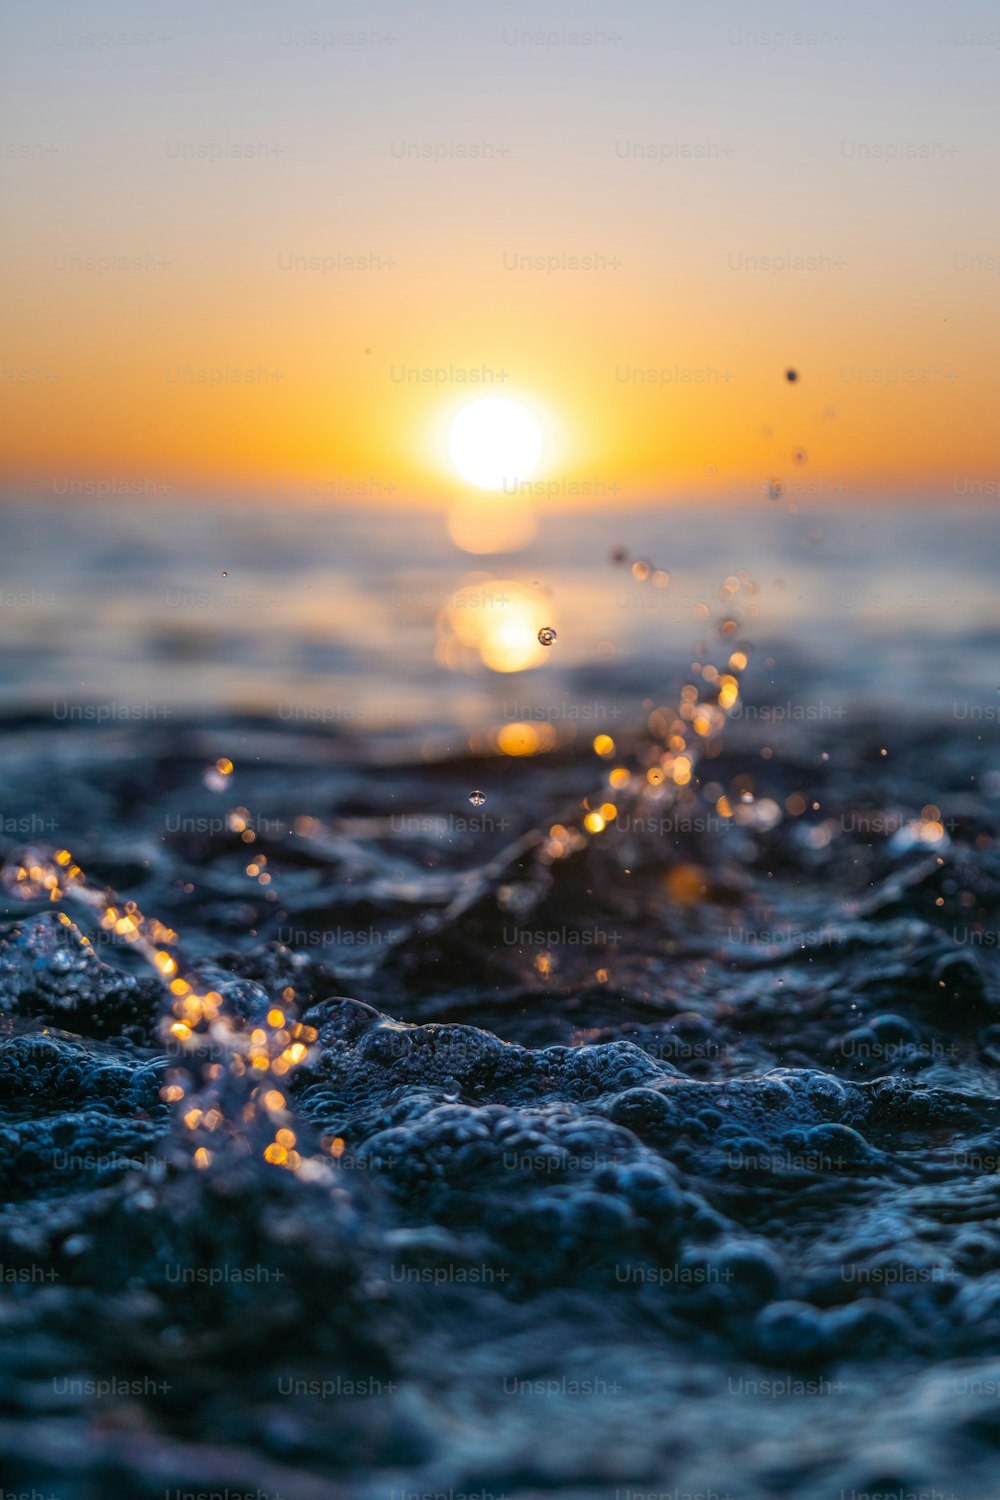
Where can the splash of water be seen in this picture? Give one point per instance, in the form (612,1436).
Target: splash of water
(229,1091)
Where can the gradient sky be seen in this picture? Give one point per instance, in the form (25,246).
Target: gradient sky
(862,138)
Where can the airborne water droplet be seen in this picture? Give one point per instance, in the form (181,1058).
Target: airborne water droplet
(547,636)
(477,798)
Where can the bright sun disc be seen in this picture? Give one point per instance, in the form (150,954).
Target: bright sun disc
(495,443)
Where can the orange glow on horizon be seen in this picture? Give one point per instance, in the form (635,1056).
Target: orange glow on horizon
(621,429)
(306,324)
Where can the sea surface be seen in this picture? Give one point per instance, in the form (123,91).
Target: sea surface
(436,1062)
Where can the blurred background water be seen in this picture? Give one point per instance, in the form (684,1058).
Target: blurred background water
(370,620)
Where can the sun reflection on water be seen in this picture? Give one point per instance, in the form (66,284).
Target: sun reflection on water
(495,625)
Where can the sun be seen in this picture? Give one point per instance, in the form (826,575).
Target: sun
(495,443)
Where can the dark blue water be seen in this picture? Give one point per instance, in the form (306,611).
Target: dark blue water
(645,1136)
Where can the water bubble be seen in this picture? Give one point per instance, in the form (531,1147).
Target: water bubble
(477,798)
(641,569)
(547,636)
(224,573)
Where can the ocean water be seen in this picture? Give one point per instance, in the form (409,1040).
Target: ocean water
(629,1128)
(265,609)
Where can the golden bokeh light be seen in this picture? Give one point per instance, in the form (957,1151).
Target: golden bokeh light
(494,624)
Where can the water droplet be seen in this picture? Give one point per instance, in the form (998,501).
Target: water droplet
(477,798)
(214,780)
(225,574)
(791,375)
(799,455)
(547,636)
(775,489)
(618,554)
(641,569)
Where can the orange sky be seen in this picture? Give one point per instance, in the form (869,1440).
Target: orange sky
(238,264)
